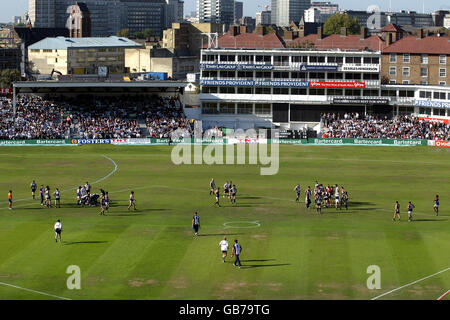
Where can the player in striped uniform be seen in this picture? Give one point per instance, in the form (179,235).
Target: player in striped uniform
(410,211)
(396,211)
(436,205)
(132,201)
(212,186)
(237,249)
(308,197)
(297,190)
(57,194)
(217,192)
(233,194)
(33,189)
(196,223)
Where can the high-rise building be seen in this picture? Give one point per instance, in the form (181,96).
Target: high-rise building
(286,11)
(216,11)
(238,10)
(175,11)
(263,17)
(42,13)
(105,15)
(138,15)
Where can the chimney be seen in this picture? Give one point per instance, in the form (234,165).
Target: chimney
(363,33)
(259,30)
(388,39)
(243,29)
(319,33)
(343,31)
(420,33)
(288,35)
(234,30)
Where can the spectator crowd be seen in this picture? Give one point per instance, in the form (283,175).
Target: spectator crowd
(105,118)
(354,125)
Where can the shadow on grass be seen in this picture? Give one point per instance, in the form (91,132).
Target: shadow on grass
(83,242)
(130,214)
(261,260)
(427,220)
(248,197)
(248,266)
(219,234)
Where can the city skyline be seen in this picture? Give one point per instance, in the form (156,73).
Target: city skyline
(19,7)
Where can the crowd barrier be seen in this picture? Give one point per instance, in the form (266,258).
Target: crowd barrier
(229,141)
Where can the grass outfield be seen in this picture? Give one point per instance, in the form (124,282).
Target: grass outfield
(292,254)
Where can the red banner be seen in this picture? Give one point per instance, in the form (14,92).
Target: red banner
(446,121)
(334,84)
(442,144)
(5,90)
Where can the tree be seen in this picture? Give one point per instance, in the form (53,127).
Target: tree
(123,33)
(143,34)
(334,24)
(8,77)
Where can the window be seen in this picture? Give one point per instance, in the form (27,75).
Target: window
(355,60)
(263,90)
(439,95)
(245,75)
(209,89)
(300,59)
(370,93)
(371,60)
(263,59)
(226,108)
(262,108)
(442,72)
(425,111)
(424,83)
(209,108)
(227,58)
(424,72)
(281,91)
(439,112)
(298,91)
(392,71)
(406,58)
(244,90)
(227,90)
(424,59)
(405,82)
(317,92)
(424,94)
(405,72)
(47,50)
(393,58)
(442,59)
(245,58)
(263,75)
(245,108)
(281,75)
(353,92)
(337,76)
(338,60)
(316,59)
(227,74)
(442,83)
(298,75)
(334,92)
(406,93)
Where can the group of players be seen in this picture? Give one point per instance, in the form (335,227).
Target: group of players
(324,196)
(411,207)
(46,195)
(229,191)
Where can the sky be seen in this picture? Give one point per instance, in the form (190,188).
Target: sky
(18,7)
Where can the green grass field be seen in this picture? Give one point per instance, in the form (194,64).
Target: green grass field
(293,253)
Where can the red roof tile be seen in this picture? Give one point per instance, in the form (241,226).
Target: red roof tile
(427,45)
(392,28)
(336,41)
(250,41)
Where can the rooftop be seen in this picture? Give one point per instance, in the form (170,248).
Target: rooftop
(92,42)
(426,45)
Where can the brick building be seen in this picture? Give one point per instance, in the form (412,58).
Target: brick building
(416,60)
